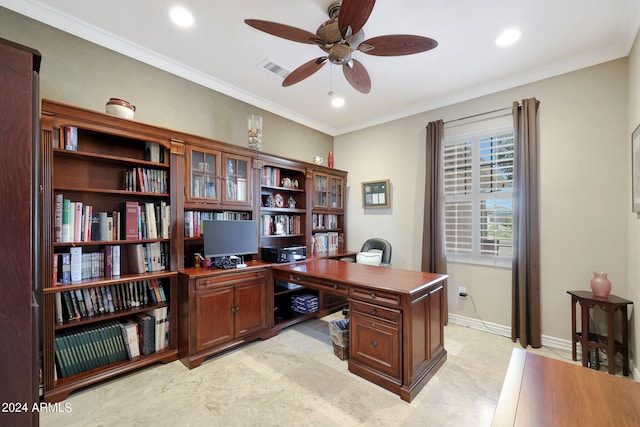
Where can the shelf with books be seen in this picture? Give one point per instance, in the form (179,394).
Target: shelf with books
(107,187)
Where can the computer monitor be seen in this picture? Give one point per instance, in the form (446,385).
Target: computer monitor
(224,238)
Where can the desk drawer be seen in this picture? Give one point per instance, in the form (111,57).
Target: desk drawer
(376,312)
(228,279)
(374,296)
(318,284)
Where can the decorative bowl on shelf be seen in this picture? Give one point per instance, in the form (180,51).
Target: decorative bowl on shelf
(120,108)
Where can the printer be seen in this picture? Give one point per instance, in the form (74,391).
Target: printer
(284,254)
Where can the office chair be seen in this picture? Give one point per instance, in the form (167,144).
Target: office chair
(370,249)
(378,244)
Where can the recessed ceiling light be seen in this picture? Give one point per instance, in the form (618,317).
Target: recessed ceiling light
(508,37)
(181,16)
(337,102)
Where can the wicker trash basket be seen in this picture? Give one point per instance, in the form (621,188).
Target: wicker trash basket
(339,332)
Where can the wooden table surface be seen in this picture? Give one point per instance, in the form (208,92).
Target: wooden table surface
(539,391)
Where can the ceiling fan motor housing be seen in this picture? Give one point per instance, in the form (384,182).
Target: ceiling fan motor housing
(340,54)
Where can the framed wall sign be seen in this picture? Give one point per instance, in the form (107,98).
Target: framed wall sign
(375,194)
(635,169)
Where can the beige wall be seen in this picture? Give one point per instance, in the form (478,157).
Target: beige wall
(633,219)
(584,150)
(81,73)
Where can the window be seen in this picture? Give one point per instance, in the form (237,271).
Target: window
(478,197)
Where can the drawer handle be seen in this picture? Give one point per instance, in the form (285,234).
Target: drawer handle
(373,295)
(206,283)
(235,309)
(335,286)
(374,343)
(296,278)
(374,312)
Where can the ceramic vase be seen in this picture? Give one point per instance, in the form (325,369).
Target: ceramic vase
(600,284)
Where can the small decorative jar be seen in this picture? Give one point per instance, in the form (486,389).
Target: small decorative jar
(600,284)
(120,108)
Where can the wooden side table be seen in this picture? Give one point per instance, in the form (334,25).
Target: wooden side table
(608,343)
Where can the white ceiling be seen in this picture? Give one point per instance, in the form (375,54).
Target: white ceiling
(223,53)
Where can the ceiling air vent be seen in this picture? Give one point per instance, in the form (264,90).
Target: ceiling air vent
(274,68)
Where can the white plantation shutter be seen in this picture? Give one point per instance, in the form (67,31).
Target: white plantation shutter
(478,193)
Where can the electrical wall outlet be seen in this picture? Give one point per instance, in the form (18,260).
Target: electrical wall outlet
(462,291)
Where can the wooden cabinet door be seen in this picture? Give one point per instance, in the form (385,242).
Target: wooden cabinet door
(376,344)
(214,317)
(203,169)
(250,307)
(236,180)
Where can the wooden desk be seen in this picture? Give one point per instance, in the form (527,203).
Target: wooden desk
(539,391)
(606,343)
(396,326)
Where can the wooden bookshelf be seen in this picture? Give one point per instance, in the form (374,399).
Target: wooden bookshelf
(97,171)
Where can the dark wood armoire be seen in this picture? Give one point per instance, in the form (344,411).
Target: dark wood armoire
(20,245)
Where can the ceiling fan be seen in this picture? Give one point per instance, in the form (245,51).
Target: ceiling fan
(339,37)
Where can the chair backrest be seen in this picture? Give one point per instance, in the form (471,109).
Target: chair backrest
(381,244)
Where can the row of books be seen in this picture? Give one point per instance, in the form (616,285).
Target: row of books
(281,224)
(92,346)
(75,266)
(82,303)
(149,257)
(193,220)
(146,180)
(76,222)
(66,138)
(270,176)
(324,221)
(326,242)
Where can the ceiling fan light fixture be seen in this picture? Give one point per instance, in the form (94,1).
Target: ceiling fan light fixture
(181,17)
(508,37)
(337,102)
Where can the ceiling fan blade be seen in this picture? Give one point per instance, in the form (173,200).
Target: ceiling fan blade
(357,76)
(354,14)
(285,31)
(304,71)
(397,44)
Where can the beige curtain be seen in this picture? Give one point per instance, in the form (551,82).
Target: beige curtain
(433,257)
(525,307)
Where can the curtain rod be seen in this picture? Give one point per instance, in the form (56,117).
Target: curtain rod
(477,115)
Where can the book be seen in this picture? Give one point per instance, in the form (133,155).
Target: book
(129,220)
(95,227)
(70,138)
(64,268)
(147,333)
(58,200)
(115,260)
(75,264)
(157,315)
(65,230)
(77,223)
(59,314)
(129,330)
(108,261)
(104,226)
(136,258)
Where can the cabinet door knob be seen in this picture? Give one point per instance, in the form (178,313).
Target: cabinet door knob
(373,294)
(374,312)
(335,286)
(374,343)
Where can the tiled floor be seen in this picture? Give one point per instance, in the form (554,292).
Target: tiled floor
(294,379)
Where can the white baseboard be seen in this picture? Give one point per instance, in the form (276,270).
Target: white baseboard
(505,331)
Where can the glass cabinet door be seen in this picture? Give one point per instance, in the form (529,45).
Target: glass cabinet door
(336,193)
(237,179)
(203,170)
(320,199)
